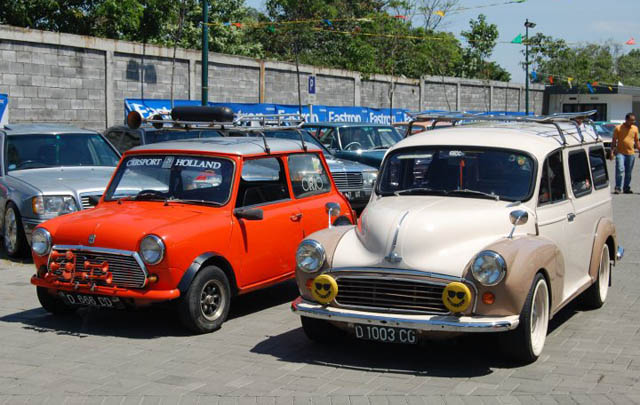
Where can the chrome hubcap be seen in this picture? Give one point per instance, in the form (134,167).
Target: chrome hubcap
(10,230)
(539,317)
(604,272)
(212,300)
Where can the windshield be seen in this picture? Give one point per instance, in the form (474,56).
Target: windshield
(38,151)
(366,138)
(173,177)
(604,130)
(174,135)
(461,171)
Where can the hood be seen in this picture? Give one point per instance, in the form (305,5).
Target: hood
(437,234)
(66,180)
(341,165)
(121,226)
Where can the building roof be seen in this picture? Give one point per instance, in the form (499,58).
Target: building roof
(44,129)
(228,145)
(537,139)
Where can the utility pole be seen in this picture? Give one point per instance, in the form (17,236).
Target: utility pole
(527,24)
(205,52)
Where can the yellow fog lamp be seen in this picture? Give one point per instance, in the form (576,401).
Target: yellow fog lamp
(456,297)
(324,289)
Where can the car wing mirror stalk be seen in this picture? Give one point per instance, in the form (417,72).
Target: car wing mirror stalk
(249,214)
(333,210)
(517,217)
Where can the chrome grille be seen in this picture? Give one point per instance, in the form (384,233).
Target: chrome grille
(348,180)
(85,199)
(125,269)
(385,294)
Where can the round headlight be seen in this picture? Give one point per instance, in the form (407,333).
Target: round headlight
(41,241)
(152,249)
(310,256)
(488,268)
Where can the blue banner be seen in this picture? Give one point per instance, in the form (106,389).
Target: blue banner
(317,113)
(4,109)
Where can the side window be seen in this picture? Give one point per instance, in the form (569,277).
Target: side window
(598,168)
(552,186)
(579,173)
(308,176)
(262,181)
(328,138)
(129,140)
(115,137)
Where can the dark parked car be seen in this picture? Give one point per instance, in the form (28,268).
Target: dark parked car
(359,141)
(125,138)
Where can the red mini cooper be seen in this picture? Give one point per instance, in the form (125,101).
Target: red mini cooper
(194,222)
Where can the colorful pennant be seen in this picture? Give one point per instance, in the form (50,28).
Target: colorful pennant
(569,80)
(590,88)
(534,75)
(440,13)
(517,40)
(631,41)
(550,79)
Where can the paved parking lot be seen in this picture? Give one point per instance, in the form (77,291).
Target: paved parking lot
(261,356)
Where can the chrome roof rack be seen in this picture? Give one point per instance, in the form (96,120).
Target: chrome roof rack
(555,120)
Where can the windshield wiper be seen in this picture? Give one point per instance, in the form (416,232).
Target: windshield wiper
(201,202)
(476,193)
(420,190)
(150,195)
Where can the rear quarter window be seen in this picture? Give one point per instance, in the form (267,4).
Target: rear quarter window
(579,173)
(598,167)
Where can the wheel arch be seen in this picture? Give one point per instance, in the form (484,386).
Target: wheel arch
(605,233)
(208,259)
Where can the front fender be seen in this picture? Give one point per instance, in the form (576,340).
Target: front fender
(524,256)
(329,239)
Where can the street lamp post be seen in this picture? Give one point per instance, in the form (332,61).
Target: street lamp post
(205,52)
(527,24)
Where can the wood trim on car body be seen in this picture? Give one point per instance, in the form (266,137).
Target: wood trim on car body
(525,257)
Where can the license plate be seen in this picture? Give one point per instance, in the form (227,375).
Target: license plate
(386,334)
(91,300)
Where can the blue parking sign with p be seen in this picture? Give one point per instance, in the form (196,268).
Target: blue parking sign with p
(312,85)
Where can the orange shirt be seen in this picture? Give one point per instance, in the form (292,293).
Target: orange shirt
(626,138)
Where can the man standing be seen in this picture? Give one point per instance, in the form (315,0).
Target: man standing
(625,137)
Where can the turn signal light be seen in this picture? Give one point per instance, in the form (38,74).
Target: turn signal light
(488,298)
(309,284)
(153,278)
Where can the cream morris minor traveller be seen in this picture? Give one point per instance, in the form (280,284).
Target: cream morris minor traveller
(488,227)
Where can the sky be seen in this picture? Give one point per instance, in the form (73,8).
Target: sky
(575,21)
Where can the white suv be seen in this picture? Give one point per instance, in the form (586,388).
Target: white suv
(492,226)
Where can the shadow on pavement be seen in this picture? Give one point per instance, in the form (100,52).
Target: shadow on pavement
(144,323)
(469,355)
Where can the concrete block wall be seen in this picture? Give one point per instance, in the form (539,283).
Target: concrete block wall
(80,80)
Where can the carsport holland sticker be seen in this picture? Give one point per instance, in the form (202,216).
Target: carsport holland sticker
(198,163)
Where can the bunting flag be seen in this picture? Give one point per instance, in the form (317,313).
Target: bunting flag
(550,79)
(620,84)
(610,88)
(271,28)
(226,24)
(440,13)
(595,84)
(517,40)
(569,80)
(401,17)
(631,41)
(329,23)
(590,88)
(239,25)
(534,75)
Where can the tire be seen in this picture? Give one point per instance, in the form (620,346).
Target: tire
(341,221)
(596,295)
(53,304)
(205,305)
(15,242)
(525,343)
(320,331)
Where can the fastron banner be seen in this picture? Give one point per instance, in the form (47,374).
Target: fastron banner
(318,113)
(4,110)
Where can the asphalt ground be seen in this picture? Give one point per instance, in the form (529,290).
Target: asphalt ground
(261,356)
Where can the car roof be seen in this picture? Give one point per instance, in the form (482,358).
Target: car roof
(334,124)
(44,129)
(537,139)
(228,145)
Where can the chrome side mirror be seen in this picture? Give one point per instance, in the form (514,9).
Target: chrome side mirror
(333,210)
(517,217)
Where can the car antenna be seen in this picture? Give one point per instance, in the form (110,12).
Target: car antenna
(266,145)
(304,145)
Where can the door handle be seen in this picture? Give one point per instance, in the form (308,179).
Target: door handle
(296,217)
(571,216)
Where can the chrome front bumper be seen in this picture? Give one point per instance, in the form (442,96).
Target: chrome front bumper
(431,323)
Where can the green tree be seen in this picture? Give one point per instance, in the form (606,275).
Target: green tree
(481,40)
(629,68)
